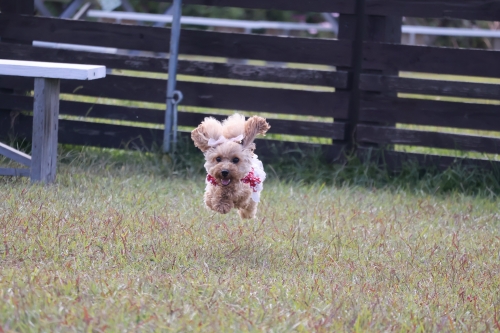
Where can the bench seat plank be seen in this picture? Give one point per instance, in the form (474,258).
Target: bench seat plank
(51,70)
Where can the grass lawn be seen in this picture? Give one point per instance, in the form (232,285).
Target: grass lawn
(125,244)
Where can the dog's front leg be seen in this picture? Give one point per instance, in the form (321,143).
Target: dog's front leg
(208,201)
(223,206)
(219,201)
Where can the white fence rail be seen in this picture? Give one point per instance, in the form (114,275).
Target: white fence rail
(249,26)
(210,22)
(413,31)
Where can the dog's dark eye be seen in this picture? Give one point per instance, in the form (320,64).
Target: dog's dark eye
(218,159)
(236,160)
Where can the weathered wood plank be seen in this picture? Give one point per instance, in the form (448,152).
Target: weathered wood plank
(218,96)
(89,134)
(18,7)
(23,7)
(428,59)
(16,102)
(335,131)
(273,150)
(382,135)
(464,9)
(361,28)
(384,29)
(142,115)
(195,42)
(338,6)
(128,137)
(302,128)
(51,70)
(395,160)
(14,172)
(432,113)
(352,27)
(45,129)
(195,68)
(382,83)
(15,155)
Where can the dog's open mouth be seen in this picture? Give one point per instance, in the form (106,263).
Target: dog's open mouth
(225,182)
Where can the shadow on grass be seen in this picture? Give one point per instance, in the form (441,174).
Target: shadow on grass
(288,163)
(311,167)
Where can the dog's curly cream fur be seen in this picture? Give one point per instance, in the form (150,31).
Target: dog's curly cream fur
(230,161)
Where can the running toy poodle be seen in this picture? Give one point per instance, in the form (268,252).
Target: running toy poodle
(235,175)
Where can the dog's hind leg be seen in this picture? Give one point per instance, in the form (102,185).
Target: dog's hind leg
(249,211)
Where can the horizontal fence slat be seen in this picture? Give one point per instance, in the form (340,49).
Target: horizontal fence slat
(91,134)
(265,74)
(440,60)
(323,104)
(262,47)
(395,161)
(464,9)
(334,131)
(195,68)
(431,113)
(129,137)
(382,83)
(339,6)
(192,42)
(390,135)
(16,102)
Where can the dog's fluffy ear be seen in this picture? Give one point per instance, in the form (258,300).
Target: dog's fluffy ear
(210,128)
(254,126)
(233,126)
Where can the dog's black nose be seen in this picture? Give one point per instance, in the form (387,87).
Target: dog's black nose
(224,173)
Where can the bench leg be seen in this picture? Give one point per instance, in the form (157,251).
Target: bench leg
(45,128)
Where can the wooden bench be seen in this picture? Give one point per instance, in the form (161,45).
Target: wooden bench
(42,163)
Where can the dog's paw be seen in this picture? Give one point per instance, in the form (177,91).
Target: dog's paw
(223,208)
(246,214)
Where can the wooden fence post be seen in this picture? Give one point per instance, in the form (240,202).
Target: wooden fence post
(379,29)
(26,7)
(382,29)
(352,27)
(360,28)
(15,7)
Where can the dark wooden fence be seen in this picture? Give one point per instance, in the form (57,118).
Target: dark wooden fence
(366,104)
